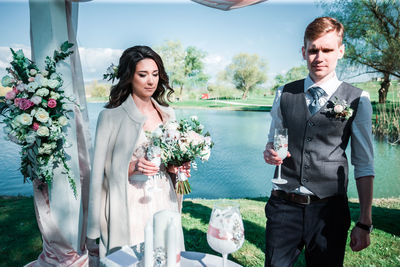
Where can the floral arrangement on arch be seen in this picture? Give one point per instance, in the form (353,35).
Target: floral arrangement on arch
(35,112)
(180,142)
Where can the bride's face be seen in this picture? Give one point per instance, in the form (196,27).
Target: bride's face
(145,79)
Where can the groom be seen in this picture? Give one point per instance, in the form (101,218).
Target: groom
(311,209)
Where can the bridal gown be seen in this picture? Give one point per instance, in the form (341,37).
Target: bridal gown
(147,196)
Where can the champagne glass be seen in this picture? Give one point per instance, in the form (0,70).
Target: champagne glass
(281,147)
(225,231)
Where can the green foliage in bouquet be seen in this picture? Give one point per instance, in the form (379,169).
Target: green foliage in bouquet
(35,114)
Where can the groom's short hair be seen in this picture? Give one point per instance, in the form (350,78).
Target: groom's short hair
(321,26)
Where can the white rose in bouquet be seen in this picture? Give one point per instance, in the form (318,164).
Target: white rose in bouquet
(24,119)
(43,131)
(62,120)
(42,115)
(338,109)
(42,92)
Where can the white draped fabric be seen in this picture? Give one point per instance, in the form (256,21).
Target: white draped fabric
(228,4)
(62,217)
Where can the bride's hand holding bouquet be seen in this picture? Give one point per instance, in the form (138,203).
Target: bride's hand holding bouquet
(181,143)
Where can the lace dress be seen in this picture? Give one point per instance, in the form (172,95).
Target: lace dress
(147,196)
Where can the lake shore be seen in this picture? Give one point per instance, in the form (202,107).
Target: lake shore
(17,216)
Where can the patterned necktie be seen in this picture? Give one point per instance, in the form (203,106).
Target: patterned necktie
(316,93)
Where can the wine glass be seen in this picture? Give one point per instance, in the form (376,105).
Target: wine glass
(281,147)
(225,231)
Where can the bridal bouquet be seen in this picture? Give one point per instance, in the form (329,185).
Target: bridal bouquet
(34,112)
(181,141)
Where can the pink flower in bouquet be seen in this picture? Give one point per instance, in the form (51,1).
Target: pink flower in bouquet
(16,102)
(11,95)
(35,126)
(25,104)
(51,103)
(31,79)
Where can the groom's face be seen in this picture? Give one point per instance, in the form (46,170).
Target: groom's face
(322,55)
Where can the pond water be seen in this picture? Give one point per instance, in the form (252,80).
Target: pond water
(236,168)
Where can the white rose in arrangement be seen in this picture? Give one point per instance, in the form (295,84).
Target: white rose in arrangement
(45,73)
(24,119)
(36,99)
(62,120)
(32,72)
(21,87)
(42,115)
(54,95)
(30,137)
(42,92)
(206,153)
(194,118)
(43,131)
(194,138)
(45,82)
(53,84)
(32,86)
(338,109)
(201,127)
(157,133)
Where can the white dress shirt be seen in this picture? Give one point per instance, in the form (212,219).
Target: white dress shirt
(362,155)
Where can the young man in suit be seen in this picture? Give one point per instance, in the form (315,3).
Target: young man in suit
(321,114)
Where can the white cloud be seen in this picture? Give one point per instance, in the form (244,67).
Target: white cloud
(214,63)
(95,61)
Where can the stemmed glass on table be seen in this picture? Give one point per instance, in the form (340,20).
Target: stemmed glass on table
(281,147)
(225,231)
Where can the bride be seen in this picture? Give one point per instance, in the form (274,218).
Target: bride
(120,203)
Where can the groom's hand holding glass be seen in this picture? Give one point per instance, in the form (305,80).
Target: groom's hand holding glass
(271,156)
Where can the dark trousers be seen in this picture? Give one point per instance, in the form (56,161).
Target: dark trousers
(321,227)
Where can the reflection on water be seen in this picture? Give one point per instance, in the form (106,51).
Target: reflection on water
(236,167)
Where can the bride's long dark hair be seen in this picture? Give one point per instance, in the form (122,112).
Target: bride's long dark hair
(126,69)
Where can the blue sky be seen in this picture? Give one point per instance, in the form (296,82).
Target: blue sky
(273,30)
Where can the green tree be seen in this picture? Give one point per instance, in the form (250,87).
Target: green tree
(295,73)
(194,67)
(372,36)
(184,66)
(99,90)
(246,72)
(173,55)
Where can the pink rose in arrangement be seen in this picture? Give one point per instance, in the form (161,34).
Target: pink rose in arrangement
(25,104)
(16,102)
(35,126)
(11,95)
(52,103)
(31,79)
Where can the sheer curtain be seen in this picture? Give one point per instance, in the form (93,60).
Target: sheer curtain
(61,217)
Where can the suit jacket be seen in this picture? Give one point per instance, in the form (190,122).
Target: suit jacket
(117,133)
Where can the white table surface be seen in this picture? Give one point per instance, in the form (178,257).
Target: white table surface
(188,259)
(198,259)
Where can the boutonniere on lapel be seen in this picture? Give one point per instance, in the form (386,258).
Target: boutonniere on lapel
(338,109)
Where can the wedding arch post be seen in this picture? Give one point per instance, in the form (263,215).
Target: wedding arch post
(62,217)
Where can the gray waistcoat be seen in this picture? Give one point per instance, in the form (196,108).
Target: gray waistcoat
(317,142)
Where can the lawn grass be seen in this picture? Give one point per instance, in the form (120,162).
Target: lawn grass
(22,243)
